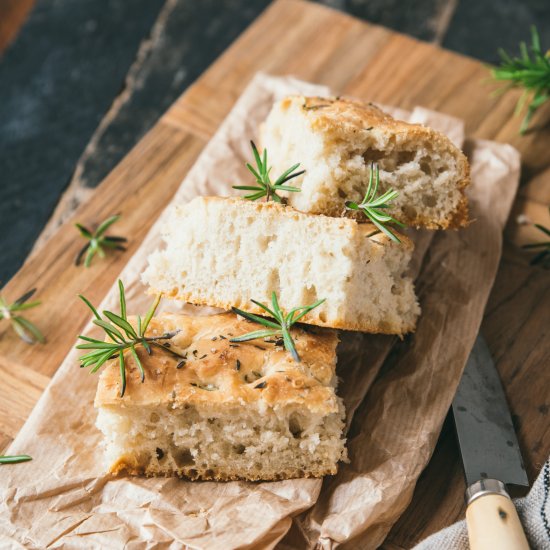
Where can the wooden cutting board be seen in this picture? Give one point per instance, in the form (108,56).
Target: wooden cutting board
(317,44)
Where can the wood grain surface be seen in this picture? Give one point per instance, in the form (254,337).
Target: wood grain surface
(12,16)
(317,44)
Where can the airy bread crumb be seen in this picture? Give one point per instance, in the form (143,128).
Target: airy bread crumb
(336,140)
(225,252)
(245,411)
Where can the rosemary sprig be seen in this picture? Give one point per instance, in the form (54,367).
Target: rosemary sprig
(372,206)
(27,331)
(124,337)
(531,72)
(14,459)
(543,257)
(98,241)
(265,187)
(278,325)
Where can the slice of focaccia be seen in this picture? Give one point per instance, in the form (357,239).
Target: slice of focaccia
(230,411)
(337,140)
(225,252)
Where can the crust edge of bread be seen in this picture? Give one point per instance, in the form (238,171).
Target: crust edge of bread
(127,465)
(338,323)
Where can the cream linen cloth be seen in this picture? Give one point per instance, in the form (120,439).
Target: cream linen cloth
(533,510)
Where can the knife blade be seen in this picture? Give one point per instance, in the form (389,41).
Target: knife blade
(490,454)
(488,442)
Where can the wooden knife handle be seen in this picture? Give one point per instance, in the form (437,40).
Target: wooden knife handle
(492,519)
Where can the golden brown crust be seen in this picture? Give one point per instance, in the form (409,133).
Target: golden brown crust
(347,113)
(352,115)
(309,319)
(219,374)
(128,464)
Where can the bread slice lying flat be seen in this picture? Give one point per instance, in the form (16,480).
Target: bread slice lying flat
(232,411)
(336,140)
(225,252)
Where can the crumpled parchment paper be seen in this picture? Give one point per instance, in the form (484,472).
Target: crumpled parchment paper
(397,393)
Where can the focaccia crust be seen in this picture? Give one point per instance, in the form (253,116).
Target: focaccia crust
(218,373)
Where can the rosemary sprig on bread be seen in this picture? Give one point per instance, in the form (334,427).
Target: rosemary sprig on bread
(27,331)
(123,338)
(530,71)
(265,187)
(98,241)
(373,206)
(278,325)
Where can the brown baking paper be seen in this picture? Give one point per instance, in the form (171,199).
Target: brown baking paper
(395,403)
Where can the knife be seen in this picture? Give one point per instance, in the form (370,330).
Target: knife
(490,455)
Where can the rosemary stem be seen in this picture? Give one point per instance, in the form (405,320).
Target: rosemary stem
(174,353)
(165,336)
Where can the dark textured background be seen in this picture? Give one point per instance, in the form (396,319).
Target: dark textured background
(78,63)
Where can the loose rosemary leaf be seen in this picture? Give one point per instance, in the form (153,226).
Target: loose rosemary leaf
(542,248)
(98,241)
(529,71)
(27,331)
(14,459)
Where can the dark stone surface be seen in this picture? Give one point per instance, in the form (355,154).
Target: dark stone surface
(418,18)
(479,27)
(57,81)
(192,35)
